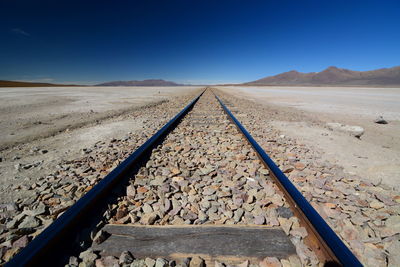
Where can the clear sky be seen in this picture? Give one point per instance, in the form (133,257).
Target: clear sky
(192,41)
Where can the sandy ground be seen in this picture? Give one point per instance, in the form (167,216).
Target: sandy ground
(27,114)
(302,112)
(44,126)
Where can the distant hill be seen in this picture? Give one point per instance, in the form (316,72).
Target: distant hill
(151,82)
(335,76)
(4,83)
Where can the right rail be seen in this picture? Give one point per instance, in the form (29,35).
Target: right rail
(333,247)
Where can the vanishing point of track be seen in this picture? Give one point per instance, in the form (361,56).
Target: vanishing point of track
(223,179)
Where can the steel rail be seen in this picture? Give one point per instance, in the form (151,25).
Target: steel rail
(44,248)
(341,254)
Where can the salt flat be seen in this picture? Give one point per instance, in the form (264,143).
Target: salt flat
(49,125)
(375,156)
(29,113)
(367,102)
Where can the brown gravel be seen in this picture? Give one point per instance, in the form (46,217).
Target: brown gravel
(205,173)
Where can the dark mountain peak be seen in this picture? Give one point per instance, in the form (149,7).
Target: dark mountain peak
(334,76)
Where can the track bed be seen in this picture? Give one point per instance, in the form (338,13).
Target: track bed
(206,173)
(199,192)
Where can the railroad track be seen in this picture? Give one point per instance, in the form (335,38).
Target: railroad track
(201,186)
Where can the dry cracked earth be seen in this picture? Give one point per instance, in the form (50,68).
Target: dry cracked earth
(204,173)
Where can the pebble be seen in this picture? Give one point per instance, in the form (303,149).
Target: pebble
(380,120)
(150,262)
(376,204)
(88,257)
(125,258)
(270,262)
(100,237)
(196,261)
(161,263)
(138,263)
(21,242)
(107,261)
(29,222)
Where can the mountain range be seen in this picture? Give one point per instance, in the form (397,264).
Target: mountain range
(4,83)
(150,82)
(335,76)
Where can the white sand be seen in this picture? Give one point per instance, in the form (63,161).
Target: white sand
(375,157)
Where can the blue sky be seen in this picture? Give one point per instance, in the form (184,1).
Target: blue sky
(192,41)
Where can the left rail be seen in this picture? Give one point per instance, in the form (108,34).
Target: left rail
(48,246)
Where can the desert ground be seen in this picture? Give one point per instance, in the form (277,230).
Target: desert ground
(57,143)
(302,113)
(42,126)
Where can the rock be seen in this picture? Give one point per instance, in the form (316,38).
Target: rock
(131,192)
(196,262)
(138,263)
(73,261)
(125,258)
(10,253)
(393,223)
(142,190)
(218,264)
(121,212)
(285,263)
(149,218)
(349,233)
(277,200)
(284,212)
(185,262)
(286,224)
(21,242)
(299,232)
(355,131)
(108,261)
(9,206)
(394,255)
(270,262)
(88,257)
(295,261)
(100,237)
(380,120)
(238,215)
(260,219)
(161,263)
(29,222)
(150,262)
(15,221)
(40,210)
(299,166)
(375,204)
(147,208)
(287,169)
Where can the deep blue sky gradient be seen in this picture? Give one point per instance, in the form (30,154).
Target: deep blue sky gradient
(192,41)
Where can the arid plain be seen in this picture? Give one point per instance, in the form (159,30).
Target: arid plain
(42,126)
(47,124)
(304,112)
(70,137)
